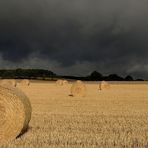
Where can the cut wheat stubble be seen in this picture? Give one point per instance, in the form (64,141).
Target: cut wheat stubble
(15,113)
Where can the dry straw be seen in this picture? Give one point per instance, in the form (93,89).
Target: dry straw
(78,89)
(59,82)
(11,82)
(25,82)
(104,85)
(65,82)
(15,113)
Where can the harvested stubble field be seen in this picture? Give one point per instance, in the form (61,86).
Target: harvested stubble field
(117,117)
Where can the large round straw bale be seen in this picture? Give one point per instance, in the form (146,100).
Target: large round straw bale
(14,82)
(15,113)
(25,82)
(78,89)
(65,82)
(59,82)
(11,82)
(104,85)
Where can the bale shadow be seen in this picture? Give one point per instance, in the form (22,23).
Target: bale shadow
(23,132)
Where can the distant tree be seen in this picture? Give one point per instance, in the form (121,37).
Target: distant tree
(129,78)
(95,75)
(114,77)
(139,80)
(26,73)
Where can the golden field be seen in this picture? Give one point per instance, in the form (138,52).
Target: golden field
(117,117)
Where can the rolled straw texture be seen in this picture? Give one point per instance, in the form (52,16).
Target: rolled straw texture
(104,85)
(15,113)
(25,82)
(11,82)
(78,89)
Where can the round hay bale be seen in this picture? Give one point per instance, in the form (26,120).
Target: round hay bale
(11,82)
(104,85)
(78,89)
(65,82)
(25,82)
(15,113)
(59,82)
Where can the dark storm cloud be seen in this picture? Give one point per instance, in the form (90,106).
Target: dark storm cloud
(77,36)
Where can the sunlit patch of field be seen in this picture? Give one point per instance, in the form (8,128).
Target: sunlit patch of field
(117,117)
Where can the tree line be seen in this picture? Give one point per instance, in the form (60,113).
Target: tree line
(26,73)
(49,75)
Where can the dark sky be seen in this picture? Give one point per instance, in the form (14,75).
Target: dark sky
(75,36)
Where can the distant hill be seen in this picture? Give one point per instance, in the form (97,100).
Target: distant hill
(49,75)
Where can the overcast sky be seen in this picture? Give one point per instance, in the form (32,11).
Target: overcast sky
(75,36)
